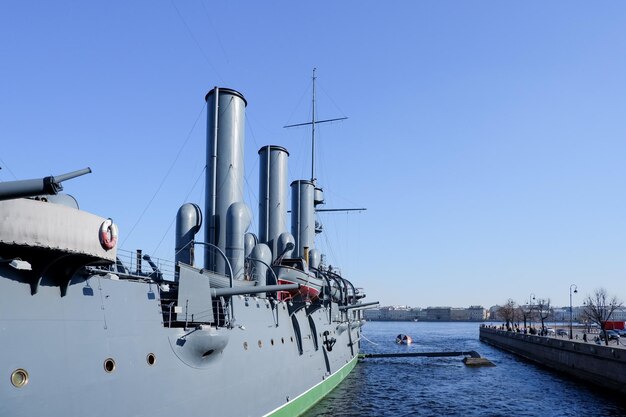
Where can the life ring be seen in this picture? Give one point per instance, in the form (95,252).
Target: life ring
(108,234)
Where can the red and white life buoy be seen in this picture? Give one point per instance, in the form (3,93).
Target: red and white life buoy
(108,234)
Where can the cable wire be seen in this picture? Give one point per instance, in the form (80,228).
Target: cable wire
(180,150)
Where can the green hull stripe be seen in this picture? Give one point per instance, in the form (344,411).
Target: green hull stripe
(307,399)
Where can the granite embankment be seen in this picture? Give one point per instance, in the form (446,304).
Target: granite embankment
(598,364)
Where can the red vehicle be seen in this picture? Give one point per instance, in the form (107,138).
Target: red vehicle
(614,325)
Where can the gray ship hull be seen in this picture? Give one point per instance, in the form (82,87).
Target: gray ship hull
(63,343)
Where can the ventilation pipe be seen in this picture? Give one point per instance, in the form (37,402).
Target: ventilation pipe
(250,241)
(188,222)
(238,220)
(260,258)
(285,241)
(273,195)
(315,257)
(225,168)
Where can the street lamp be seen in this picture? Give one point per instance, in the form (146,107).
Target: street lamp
(531,297)
(570,308)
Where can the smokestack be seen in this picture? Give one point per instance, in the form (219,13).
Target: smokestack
(272,195)
(225,170)
(302,215)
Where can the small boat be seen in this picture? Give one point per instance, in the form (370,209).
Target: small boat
(296,271)
(403,339)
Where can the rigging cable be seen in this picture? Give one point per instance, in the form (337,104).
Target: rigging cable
(333,101)
(298,104)
(216,33)
(9,169)
(193,187)
(252,197)
(196,42)
(180,150)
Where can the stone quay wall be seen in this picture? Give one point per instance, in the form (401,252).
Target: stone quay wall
(601,365)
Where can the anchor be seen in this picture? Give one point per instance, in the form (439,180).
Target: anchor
(329,343)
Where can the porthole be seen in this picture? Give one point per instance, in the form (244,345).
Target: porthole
(282,340)
(291,339)
(19,378)
(109,365)
(272,342)
(260,344)
(151,359)
(245,345)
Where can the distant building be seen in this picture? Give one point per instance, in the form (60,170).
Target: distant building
(578,314)
(438,314)
(404,313)
(478,313)
(391,313)
(561,314)
(493,312)
(619,314)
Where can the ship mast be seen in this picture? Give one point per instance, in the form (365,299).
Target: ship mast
(313,122)
(313,133)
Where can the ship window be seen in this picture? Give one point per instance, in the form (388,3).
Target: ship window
(151,359)
(245,345)
(19,378)
(109,365)
(260,344)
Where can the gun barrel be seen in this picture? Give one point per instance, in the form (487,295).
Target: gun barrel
(70,175)
(30,188)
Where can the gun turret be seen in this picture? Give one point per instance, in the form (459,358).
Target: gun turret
(40,186)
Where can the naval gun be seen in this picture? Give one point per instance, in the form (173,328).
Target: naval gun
(40,186)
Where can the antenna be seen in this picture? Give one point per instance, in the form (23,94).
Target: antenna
(313,122)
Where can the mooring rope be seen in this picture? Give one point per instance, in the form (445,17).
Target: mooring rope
(363,337)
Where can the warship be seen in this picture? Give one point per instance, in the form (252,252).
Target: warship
(262,328)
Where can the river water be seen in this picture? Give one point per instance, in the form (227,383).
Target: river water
(446,387)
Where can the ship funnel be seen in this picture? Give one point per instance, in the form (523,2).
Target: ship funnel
(272,196)
(302,216)
(225,169)
(188,222)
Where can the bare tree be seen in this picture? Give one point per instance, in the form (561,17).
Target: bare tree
(524,312)
(506,312)
(599,308)
(543,311)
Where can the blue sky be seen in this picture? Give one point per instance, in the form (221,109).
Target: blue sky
(485,138)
